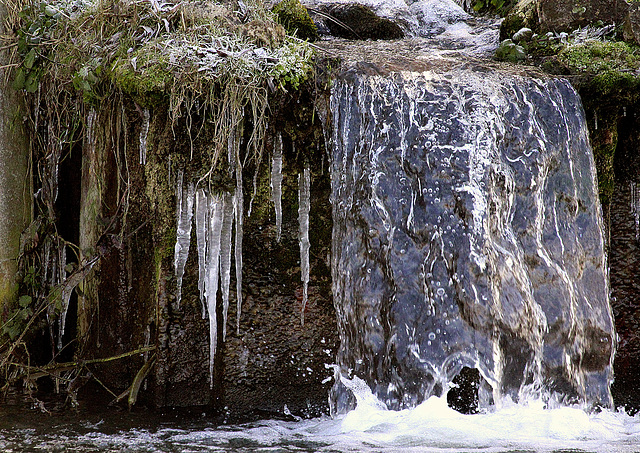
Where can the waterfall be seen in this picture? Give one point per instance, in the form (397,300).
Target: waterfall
(467,233)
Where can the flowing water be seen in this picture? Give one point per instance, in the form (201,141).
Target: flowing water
(430,427)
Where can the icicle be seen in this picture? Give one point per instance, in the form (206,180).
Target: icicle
(214,231)
(62,259)
(304,206)
(144,131)
(239,212)
(202,209)
(276,184)
(184,208)
(225,257)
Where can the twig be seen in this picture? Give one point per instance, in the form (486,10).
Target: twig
(9,46)
(38,372)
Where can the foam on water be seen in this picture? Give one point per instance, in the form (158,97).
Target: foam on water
(430,427)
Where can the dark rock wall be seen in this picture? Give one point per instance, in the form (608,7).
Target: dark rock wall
(130,300)
(624,259)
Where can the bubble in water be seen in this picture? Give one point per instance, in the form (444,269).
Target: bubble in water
(440,292)
(432,336)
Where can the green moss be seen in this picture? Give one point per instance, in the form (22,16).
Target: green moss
(148,82)
(295,18)
(601,56)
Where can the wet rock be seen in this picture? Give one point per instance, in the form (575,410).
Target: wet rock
(467,234)
(567,15)
(631,29)
(354,21)
(523,15)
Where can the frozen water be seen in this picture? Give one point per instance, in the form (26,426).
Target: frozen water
(304,206)
(184,214)
(276,184)
(144,132)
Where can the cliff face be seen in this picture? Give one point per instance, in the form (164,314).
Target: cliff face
(15,184)
(117,136)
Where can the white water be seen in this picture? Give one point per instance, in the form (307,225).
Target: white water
(431,427)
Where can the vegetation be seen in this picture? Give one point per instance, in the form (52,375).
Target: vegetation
(211,66)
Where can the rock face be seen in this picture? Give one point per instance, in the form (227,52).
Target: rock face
(624,258)
(467,234)
(354,21)
(130,299)
(567,15)
(632,24)
(15,207)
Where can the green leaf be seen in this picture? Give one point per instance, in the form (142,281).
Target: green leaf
(50,11)
(30,59)
(31,84)
(18,82)
(24,301)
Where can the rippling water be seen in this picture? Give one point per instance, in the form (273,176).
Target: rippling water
(430,427)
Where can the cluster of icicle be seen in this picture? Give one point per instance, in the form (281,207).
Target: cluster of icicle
(215,217)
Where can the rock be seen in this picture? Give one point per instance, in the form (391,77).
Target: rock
(353,21)
(567,15)
(631,30)
(295,18)
(438,224)
(510,51)
(523,15)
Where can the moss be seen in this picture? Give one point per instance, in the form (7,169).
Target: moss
(523,14)
(601,56)
(295,18)
(494,7)
(148,82)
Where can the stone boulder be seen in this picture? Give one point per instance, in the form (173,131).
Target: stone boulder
(567,15)
(354,21)
(632,24)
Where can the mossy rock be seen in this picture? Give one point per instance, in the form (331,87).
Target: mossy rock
(148,83)
(295,19)
(492,7)
(522,15)
(355,21)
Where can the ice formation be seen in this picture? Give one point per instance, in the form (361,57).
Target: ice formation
(184,213)
(304,206)
(215,215)
(144,132)
(276,184)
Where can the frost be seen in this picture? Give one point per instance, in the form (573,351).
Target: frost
(276,185)
(304,206)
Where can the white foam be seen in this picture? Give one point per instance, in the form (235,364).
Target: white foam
(430,427)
